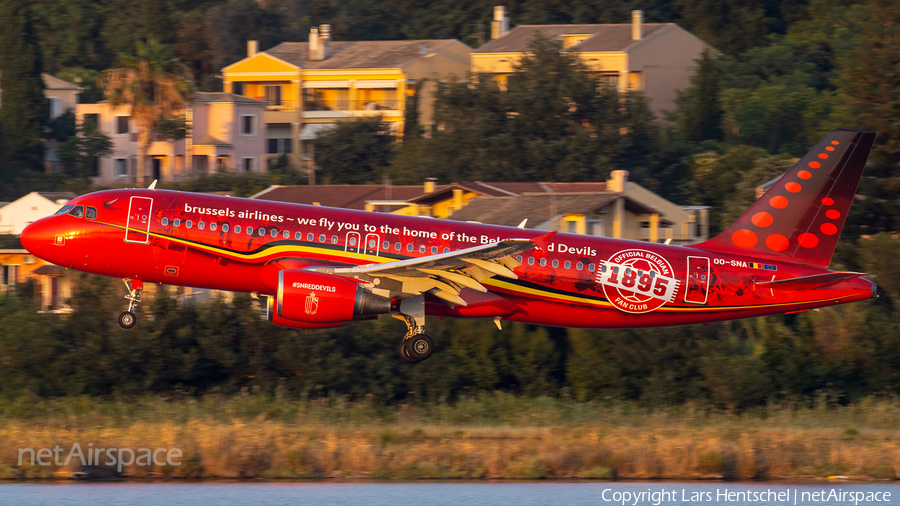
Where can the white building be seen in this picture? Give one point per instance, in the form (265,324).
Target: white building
(15,216)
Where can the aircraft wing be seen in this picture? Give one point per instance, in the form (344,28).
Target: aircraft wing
(444,275)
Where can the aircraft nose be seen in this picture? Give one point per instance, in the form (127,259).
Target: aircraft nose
(37,236)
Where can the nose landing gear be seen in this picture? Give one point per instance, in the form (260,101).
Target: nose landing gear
(127,318)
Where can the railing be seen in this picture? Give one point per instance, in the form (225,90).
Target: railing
(351,105)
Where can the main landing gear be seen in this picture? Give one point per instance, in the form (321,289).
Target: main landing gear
(416,345)
(127,318)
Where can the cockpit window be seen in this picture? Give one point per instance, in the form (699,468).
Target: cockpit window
(91,213)
(77,211)
(63,210)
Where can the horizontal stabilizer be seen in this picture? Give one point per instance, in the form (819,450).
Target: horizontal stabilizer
(810,282)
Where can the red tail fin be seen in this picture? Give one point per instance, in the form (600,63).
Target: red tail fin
(800,218)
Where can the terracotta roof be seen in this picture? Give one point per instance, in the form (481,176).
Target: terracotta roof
(202,97)
(50,270)
(359,54)
(575,187)
(538,208)
(54,196)
(609,37)
(209,140)
(347,196)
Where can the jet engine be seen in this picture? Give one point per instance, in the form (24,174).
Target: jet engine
(315,298)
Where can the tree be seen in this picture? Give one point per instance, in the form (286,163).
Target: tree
(699,107)
(150,83)
(869,81)
(78,153)
(354,152)
(24,109)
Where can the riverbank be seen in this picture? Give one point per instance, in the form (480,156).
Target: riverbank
(491,437)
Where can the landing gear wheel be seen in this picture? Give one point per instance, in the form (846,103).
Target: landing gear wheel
(419,347)
(404,354)
(127,319)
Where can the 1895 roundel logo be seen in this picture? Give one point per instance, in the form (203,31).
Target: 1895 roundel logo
(637,281)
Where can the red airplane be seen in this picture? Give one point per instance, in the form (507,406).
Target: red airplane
(322,266)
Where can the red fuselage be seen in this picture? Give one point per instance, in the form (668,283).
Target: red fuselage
(216,242)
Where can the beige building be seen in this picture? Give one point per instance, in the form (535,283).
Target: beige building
(308,86)
(615,208)
(655,58)
(225,134)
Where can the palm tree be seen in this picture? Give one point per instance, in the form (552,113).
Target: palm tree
(151,83)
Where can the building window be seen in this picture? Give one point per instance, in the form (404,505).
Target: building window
(278,146)
(237,88)
(273,95)
(248,124)
(248,164)
(55,111)
(121,167)
(595,228)
(122,125)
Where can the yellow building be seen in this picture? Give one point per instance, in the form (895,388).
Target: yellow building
(311,85)
(656,58)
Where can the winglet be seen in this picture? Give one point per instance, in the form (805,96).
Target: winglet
(542,241)
(153,185)
(522,225)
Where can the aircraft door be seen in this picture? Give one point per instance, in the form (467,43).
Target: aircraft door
(697,287)
(370,250)
(137,226)
(351,245)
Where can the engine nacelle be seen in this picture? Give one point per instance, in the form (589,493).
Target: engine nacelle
(313,297)
(272,316)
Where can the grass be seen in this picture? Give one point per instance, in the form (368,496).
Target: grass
(496,436)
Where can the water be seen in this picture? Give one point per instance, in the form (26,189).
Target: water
(447,494)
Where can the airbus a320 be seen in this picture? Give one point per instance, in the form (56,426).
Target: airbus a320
(321,267)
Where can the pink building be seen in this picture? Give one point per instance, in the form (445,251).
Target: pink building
(224,134)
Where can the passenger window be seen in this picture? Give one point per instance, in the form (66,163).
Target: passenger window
(422,248)
(446,250)
(579,265)
(286,234)
(225,227)
(543,262)
(237,229)
(176,223)
(386,245)
(353,241)
(201,225)
(398,246)
(77,211)
(212,226)
(334,239)
(409,247)
(530,260)
(555,263)
(321,237)
(63,210)
(91,213)
(298,236)
(568,264)
(434,250)
(189,224)
(591,267)
(164,221)
(519,258)
(310,237)
(249,230)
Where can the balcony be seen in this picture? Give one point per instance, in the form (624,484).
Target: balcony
(351,105)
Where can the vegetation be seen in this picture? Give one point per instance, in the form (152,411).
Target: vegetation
(484,436)
(150,85)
